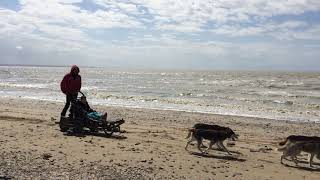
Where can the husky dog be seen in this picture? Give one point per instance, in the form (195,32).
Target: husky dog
(211,127)
(293,150)
(296,138)
(212,135)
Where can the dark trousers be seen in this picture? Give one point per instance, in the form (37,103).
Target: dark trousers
(69,98)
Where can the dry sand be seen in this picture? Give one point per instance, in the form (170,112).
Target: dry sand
(152,146)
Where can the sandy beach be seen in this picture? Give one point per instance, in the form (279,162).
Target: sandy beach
(151,146)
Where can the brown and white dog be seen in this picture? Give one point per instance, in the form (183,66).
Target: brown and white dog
(313,148)
(213,136)
(292,139)
(293,143)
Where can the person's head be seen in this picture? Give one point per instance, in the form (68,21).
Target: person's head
(83,99)
(75,70)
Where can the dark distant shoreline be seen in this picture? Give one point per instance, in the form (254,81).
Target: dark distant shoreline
(167,70)
(37,65)
(33,65)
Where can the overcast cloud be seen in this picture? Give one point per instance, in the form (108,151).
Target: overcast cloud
(188,34)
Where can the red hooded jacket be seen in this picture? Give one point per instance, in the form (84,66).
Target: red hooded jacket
(71,83)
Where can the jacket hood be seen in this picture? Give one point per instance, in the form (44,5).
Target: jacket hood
(74,67)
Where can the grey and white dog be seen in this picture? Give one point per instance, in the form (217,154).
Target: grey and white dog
(214,136)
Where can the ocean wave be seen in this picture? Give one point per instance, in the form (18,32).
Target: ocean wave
(279,102)
(210,92)
(123,97)
(185,94)
(275,86)
(314,106)
(185,105)
(222,109)
(5,73)
(38,86)
(270,93)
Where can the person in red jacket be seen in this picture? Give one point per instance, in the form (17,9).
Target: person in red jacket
(70,86)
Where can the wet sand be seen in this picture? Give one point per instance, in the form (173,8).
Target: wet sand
(152,146)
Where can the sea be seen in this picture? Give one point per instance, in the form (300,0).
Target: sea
(290,96)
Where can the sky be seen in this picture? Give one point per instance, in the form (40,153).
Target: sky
(165,34)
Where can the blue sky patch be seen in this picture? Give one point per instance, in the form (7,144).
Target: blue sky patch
(89,6)
(10,4)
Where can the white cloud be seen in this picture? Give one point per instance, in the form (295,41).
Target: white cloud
(109,19)
(58,21)
(312,33)
(189,16)
(176,14)
(63,26)
(289,30)
(19,47)
(183,27)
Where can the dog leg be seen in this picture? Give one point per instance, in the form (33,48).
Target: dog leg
(294,159)
(281,160)
(186,148)
(219,147)
(224,148)
(189,134)
(192,139)
(199,141)
(210,145)
(311,158)
(203,146)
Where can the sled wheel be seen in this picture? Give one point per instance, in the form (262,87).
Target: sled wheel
(108,133)
(116,129)
(93,130)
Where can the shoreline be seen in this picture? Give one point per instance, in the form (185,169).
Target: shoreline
(165,69)
(151,147)
(253,117)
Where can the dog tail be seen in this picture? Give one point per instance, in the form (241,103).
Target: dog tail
(190,131)
(282,148)
(283,142)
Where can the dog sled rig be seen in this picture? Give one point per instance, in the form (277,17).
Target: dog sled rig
(78,121)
